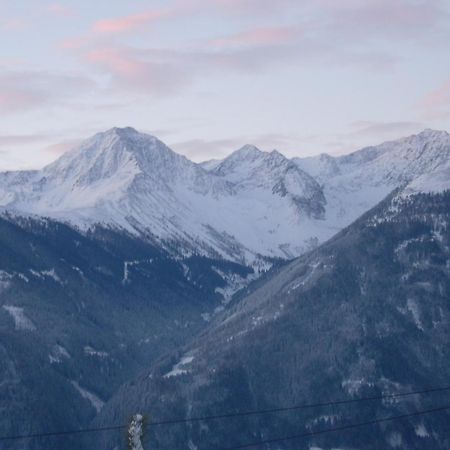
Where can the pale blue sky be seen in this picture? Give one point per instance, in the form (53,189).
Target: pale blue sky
(207,76)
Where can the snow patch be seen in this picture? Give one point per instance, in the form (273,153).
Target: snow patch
(395,440)
(421,431)
(413,308)
(306,278)
(95,401)
(42,274)
(88,350)
(353,386)
(21,321)
(191,445)
(234,283)
(58,354)
(179,368)
(206,316)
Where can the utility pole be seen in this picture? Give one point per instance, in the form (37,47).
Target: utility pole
(136,432)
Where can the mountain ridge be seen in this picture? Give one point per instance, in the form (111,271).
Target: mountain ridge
(250,206)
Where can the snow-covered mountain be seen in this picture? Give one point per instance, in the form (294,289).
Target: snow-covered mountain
(248,205)
(125,179)
(354,183)
(252,170)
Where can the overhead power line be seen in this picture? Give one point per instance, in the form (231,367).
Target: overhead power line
(333,430)
(299,407)
(176,421)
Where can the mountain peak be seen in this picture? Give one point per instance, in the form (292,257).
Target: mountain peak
(117,134)
(122,131)
(107,152)
(430,134)
(247,151)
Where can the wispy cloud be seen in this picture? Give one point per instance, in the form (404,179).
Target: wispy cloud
(248,7)
(12,24)
(61,147)
(27,89)
(259,36)
(151,71)
(382,130)
(129,23)
(362,133)
(165,71)
(319,32)
(382,19)
(19,139)
(437,102)
(58,9)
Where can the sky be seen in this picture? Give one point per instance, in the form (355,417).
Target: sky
(208,76)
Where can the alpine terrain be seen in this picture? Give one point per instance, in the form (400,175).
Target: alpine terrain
(367,314)
(135,281)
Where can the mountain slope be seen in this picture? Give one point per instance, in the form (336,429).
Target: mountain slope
(82,313)
(365,314)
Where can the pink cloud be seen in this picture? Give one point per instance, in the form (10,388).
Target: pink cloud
(151,71)
(164,71)
(437,102)
(117,61)
(62,147)
(128,23)
(74,43)
(28,89)
(16,100)
(60,10)
(383,18)
(12,24)
(253,7)
(259,36)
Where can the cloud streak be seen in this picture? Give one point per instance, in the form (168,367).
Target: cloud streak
(27,89)
(166,71)
(258,37)
(437,102)
(318,32)
(382,18)
(129,23)
(61,10)
(378,130)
